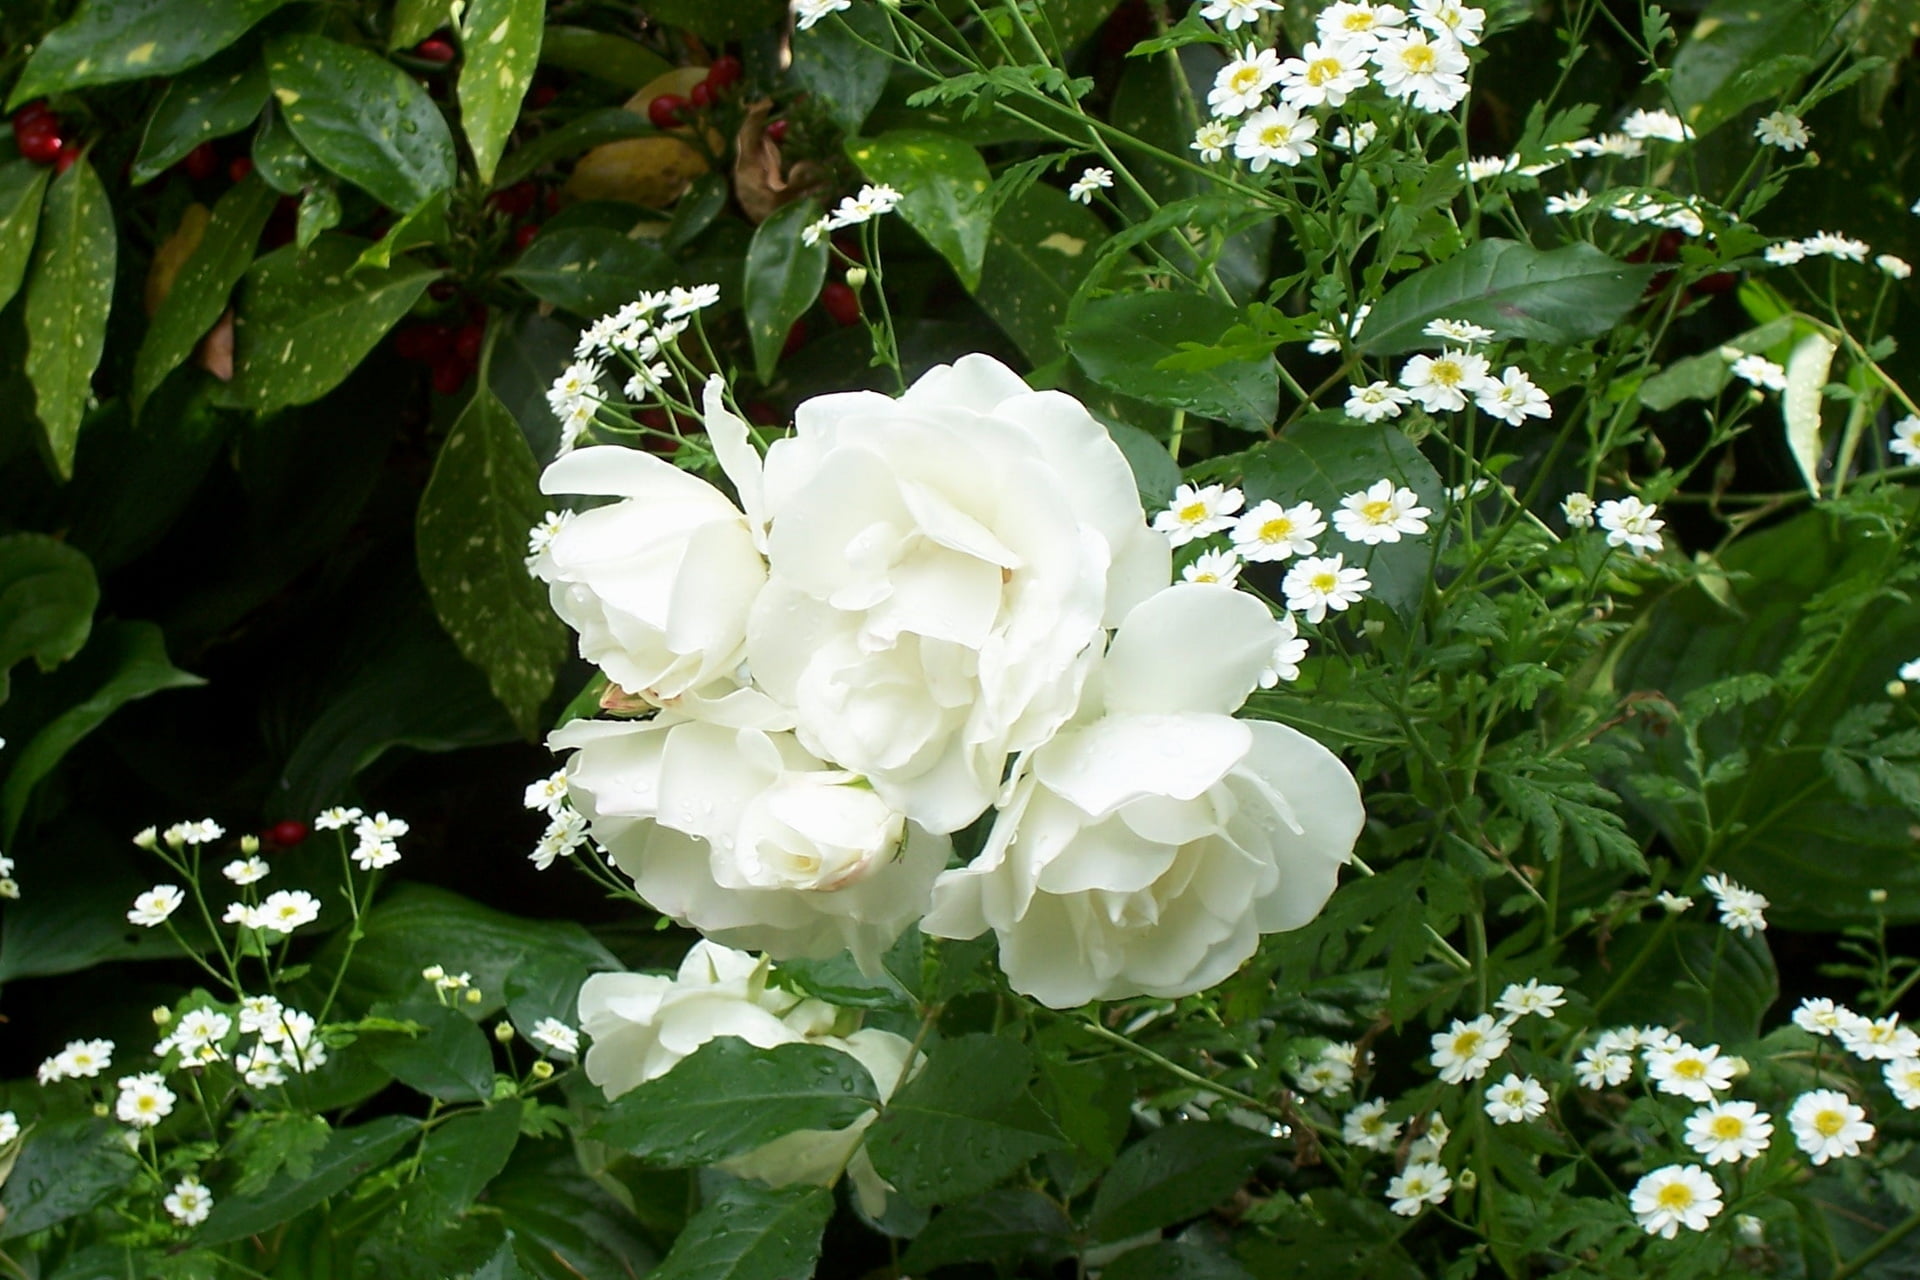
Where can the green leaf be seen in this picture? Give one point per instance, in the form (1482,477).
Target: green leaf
(307,319)
(363,118)
(590,270)
(63,1171)
(267,1143)
(470,536)
(1713,78)
(200,291)
(783,277)
(129,662)
(502,1265)
(1155,474)
(843,64)
(348,1155)
(583,133)
(1120,339)
(1807,370)
(751,1232)
(278,156)
(424,226)
(945,191)
(68,299)
(319,211)
(965,1122)
(111,40)
(450,1059)
(501,42)
(734,20)
(22,187)
(1001,1227)
(1040,249)
(566,1227)
(1175,1258)
(47,597)
(462,1156)
(1559,296)
(1716,983)
(1173,1174)
(1322,458)
(613,58)
(728,1098)
(223,97)
(415,20)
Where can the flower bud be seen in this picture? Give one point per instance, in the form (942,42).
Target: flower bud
(856,277)
(162,1015)
(503,1031)
(9,888)
(249,845)
(148,839)
(1466,1180)
(1896,688)
(433,973)
(543,1070)
(100,1110)
(473,995)
(1877,897)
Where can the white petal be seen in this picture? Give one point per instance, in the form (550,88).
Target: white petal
(1326,806)
(1123,758)
(1194,646)
(731,445)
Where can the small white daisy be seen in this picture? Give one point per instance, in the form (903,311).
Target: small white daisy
(1092,179)
(1729,1132)
(1630,522)
(1419,1184)
(1827,1124)
(1197,512)
(1219,567)
(1273,532)
(1321,583)
(1380,513)
(1675,1196)
(1782,129)
(1467,1048)
(1376,401)
(1516,1099)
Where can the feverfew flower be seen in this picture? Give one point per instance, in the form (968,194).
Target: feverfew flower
(1822,1016)
(1376,401)
(373,854)
(1380,513)
(1578,508)
(1663,126)
(1688,1071)
(1212,139)
(81,1059)
(1443,382)
(1516,1100)
(154,906)
(1327,339)
(871,202)
(1785,254)
(1895,267)
(1729,1132)
(1367,1126)
(189,1203)
(1432,1141)
(1675,1196)
(1832,244)
(565,833)
(1450,18)
(1219,567)
(244,915)
(1420,1184)
(1906,440)
(1235,14)
(1275,135)
(1361,24)
(808,12)
(1602,1068)
(1879,1039)
(1466,1049)
(1092,179)
(549,795)
(1289,651)
(1239,86)
(199,1028)
(144,1100)
(1429,73)
(1630,522)
(682,301)
(246,870)
(1531,996)
(1464,332)
(1323,75)
(1673,903)
(1273,532)
(1782,129)
(336,818)
(1571,202)
(556,1035)
(1761,372)
(1197,512)
(1512,398)
(1903,1078)
(287,909)
(1358,138)
(9,1128)
(1317,584)
(1326,1074)
(257,1013)
(1741,909)
(1827,1124)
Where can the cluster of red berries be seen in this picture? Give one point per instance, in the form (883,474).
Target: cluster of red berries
(522,200)
(451,352)
(669,110)
(36,132)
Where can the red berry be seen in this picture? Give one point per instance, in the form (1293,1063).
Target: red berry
(40,140)
(542,96)
(240,168)
(287,834)
(841,302)
(64,161)
(426,343)
(450,375)
(777,131)
(524,236)
(796,338)
(665,111)
(701,96)
(725,71)
(466,343)
(35,110)
(515,201)
(434,50)
(200,162)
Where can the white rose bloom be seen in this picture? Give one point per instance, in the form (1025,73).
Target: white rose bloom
(742,834)
(942,566)
(1144,852)
(657,585)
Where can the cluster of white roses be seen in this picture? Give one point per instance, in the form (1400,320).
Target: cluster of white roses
(903,625)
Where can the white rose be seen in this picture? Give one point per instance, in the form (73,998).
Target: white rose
(1144,852)
(743,835)
(658,585)
(941,568)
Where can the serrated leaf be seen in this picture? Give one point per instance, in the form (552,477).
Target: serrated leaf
(751,1232)
(783,277)
(1040,249)
(200,292)
(348,1155)
(471,540)
(363,118)
(111,40)
(307,319)
(1121,339)
(590,270)
(23,186)
(1558,295)
(944,188)
(1807,370)
(729,1098)
(1173,1174)
(68,297)
(210,102)
(268,1143)
(501,43)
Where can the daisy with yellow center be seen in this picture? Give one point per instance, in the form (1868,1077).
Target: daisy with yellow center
(1673,1197)
(1442,383)
(1729,1132)
(1273,532)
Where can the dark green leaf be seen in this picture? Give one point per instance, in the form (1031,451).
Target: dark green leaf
(462,1156)
(838,62)
(424,226)
(566,1227)
(965,1122)
(1041,247)
(728,1098)
(471,539)
(751,1232)
(362,117)
(1713,70)
(47,597)
(349,1153)
(783,278)
(1714,982)
(503,1265)
(583,133)
(319,211)
(211,102)
(68,299)
(1155,474)
(1120,339)
(278,156)
(129,660)
(501,41)
(1176,1173)
(591,270)
(838,980)
(205,282)
(268,1142)
(111,40)
(734,20)
(22,187)
(1559,295)
(1000,1226)
(64,1170)
(450,1059)
(415,20)
(1174,1260)
(1321,459)
(615,59)
(944,187)
(306,319)
(695,211)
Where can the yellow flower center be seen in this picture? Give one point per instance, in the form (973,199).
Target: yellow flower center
(1361,21)
(1447,373)
(1467,1041)
(1245,79)
(1277,134)
(1419,59)
(1728,1127)
(1690,1068)
(1377,510)
(1829,1123)
(1193,513)
(1276,529)
(147,1102)
(1676,1195)
(1321,70)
